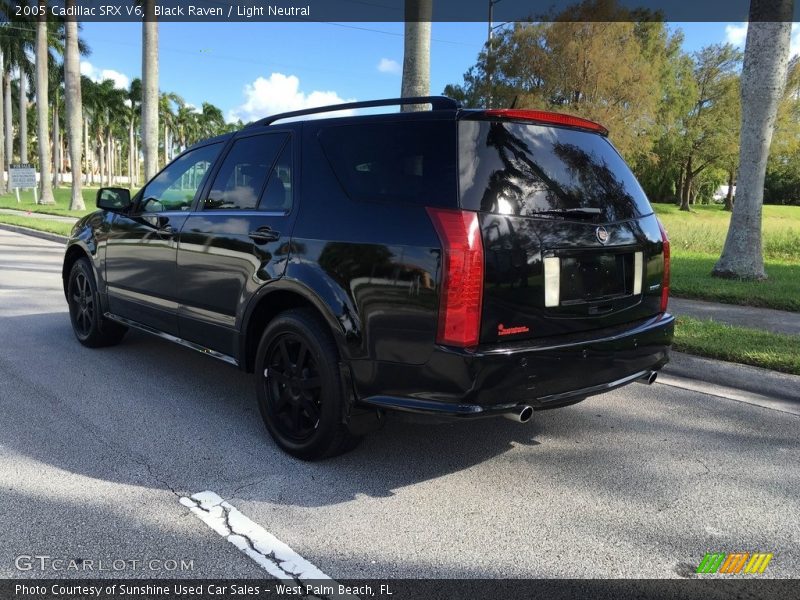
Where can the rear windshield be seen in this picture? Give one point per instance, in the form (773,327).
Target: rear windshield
(403,161)
(520,169)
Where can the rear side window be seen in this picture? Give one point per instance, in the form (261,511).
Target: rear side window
(243,175)
(404,161)
(521,169)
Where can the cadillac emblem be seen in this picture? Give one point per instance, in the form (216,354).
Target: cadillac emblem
(602,235)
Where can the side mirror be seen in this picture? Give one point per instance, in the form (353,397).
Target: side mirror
(113,198)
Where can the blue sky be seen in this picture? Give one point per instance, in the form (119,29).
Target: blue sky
(254,69)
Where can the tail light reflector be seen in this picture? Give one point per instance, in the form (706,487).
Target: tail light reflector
(461,294)
(665,276)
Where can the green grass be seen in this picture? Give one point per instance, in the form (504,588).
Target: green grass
(704,229)
(738,344)
(691,279)
(58,227)
(61,207)
(696,242)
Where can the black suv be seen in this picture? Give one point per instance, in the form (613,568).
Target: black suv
(451,262)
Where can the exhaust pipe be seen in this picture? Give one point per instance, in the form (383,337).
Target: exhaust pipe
(521,414)
(650,378)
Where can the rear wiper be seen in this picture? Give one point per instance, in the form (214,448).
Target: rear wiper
(572,212)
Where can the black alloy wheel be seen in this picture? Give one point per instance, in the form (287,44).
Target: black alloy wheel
(88,323)
(299,387)
(294,388)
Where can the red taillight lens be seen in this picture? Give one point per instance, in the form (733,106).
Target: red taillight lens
(546,117)
(462,276)
(665,276)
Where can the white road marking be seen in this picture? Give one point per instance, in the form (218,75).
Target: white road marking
(271,554)
(728,393)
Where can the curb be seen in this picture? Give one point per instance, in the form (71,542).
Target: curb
(756,380)
(45,235)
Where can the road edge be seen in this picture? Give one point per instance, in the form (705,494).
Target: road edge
(45,235)
(756,380)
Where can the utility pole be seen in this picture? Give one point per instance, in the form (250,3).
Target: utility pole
(490,35)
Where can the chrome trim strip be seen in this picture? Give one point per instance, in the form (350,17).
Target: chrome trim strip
(171,338)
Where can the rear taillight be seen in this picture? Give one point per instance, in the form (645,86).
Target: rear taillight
(665,276)
(546,118)
(462,276)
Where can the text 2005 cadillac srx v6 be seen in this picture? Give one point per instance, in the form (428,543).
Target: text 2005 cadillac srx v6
(450,262)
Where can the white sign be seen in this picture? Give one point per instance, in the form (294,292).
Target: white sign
(21,176)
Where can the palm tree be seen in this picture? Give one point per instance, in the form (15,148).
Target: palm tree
(134,103)
(107,105)
(766,58)
(74,106)
(150,90)
(2,133)
(42,103)
(168,118)
(17,41)
(417,52)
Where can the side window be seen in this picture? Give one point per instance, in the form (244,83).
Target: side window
(405,161)
(243,174)
(175,187)
(277,195)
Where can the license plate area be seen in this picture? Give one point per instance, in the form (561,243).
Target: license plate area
(591,277)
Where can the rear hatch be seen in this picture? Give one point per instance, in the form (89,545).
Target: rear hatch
(570,240)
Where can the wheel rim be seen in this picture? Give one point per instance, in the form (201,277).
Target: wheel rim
(82,305)
(293,386)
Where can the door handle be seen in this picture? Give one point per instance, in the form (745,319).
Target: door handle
(166,231)
(264,234)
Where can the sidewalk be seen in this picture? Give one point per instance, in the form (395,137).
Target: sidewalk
(37,215)
(776,321)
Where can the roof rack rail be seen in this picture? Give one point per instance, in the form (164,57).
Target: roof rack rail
(436,102)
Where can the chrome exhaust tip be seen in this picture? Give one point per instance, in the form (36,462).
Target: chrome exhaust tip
(650,378)
(521,414)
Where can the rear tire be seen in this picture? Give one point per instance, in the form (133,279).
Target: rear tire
(299,387)
(88,323)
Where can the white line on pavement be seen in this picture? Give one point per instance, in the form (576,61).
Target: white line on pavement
(728,393)
(271,554)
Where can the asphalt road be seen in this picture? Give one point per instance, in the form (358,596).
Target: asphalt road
(97,446)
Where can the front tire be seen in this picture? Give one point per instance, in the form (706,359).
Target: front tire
(88,323)
(299,387)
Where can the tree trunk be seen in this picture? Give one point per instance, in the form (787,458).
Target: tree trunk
(42,104)
(417,52)
(687,185)
(56,147)
(166,143)
(8,118)
(74,108)
(150,90)
(23,118)
(729,196)
(130,154)
(766,57)
(101,155)
(2,130)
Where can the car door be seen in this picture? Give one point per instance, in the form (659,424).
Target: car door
(237,240)
(141,248)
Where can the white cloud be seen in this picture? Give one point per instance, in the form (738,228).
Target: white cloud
(120,80)
(387,65)
(736,34)
(280,93)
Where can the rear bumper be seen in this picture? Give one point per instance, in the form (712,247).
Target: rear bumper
(496,379)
